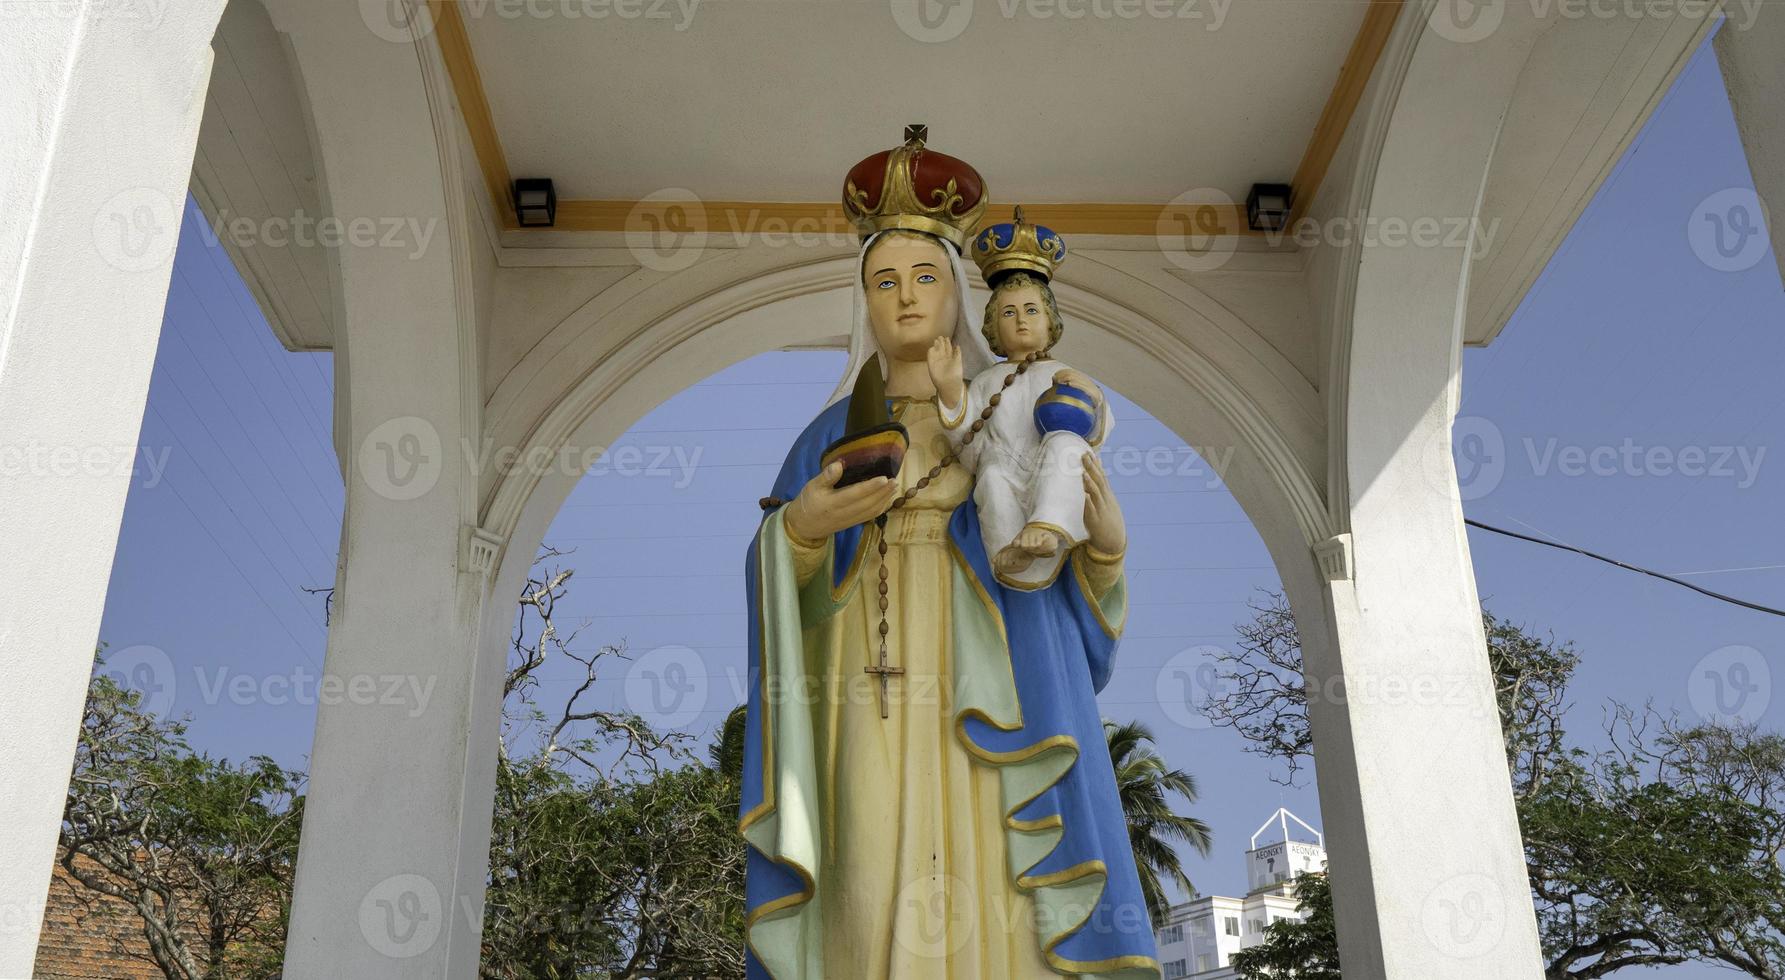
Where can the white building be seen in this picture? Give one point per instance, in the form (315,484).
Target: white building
(1201,935)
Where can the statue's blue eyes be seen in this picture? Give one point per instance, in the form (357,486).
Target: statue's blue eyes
(890,283)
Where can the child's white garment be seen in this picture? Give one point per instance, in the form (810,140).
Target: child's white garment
(1024,477)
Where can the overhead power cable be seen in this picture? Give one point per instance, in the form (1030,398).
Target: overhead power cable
(1701,590)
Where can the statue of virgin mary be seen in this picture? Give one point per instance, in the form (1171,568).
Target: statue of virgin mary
(940,805)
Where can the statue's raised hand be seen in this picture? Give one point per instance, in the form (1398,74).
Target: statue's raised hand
(945,371)
(1104,528)
(821,509)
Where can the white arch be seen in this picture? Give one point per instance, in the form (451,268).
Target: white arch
(612,362)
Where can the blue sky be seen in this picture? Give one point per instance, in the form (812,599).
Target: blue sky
(1630,344)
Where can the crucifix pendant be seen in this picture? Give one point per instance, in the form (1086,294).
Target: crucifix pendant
(885,674)
(882,670)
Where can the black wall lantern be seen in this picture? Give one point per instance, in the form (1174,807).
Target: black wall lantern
(1267,207)
(535,202)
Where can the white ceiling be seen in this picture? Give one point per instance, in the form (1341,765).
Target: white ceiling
(774,100)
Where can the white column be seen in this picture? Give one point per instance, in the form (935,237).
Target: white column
(1428,869)
(1751,51)
(396,825)
(97,130)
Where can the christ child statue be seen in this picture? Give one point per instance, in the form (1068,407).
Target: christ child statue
(1030,451)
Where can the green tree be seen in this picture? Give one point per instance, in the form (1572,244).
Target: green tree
(1145,786)
(614,851)
(1662,848)
(200,850)
(1306,949)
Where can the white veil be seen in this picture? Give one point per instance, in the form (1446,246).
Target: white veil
(975,355)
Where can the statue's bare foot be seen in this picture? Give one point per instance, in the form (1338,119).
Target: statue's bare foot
(1038,541)
(1011,559)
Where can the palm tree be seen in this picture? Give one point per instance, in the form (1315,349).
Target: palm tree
(727,752)
(1143,784)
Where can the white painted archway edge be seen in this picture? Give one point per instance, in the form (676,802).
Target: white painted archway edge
(704,323)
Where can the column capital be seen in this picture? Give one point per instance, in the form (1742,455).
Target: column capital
(481,549)
(1334,558)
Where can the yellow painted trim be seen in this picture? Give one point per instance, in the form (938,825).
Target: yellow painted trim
(985,598)
(799,542)
(1094,600)
(1341,105)
(745,217)
(1105,966)
(1059,399)
(767,806)
(942,413)
(1104,558)
(1064,876)
(782,904)
(808,885)
(1052,821)
(1024,754)
(474,107)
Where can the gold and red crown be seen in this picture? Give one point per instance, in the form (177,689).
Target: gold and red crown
(917,189)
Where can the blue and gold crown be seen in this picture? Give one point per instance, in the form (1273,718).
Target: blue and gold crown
(1017,246)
